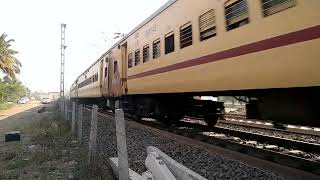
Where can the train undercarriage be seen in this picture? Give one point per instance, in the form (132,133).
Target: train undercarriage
(288,106)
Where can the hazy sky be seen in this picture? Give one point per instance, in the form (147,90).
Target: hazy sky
(35,26)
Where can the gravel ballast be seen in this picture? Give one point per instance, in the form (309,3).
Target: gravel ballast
(279,134)
(207,164)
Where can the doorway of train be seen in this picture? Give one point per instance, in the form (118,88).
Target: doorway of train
(124,57)
(104,78)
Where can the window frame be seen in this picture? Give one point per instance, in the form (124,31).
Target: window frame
(214,28)
(106,71)
(165,42)
(145,60)
(184,27)
(135,60)
(153,45)
(115,67)
(277,8)
(130,59)
(246,20)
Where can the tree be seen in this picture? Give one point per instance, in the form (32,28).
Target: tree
(8,63)
(12,89)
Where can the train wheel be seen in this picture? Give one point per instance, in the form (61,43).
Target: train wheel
(165,119)
(173,118)
(138,114)
(168,113)
(211,119)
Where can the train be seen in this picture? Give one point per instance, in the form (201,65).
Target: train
(266,51)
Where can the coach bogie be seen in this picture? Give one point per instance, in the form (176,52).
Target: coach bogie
(170,109)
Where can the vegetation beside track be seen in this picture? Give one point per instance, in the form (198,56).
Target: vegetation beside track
(4,106)
(47,150)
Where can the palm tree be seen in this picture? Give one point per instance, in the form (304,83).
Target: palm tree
(8,63)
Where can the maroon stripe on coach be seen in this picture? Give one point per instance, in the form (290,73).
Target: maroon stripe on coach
(275,42)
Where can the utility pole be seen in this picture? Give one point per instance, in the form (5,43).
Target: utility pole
(63,48)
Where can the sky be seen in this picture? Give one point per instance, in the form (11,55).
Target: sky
(91,24)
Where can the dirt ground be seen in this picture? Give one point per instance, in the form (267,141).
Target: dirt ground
(18,117)
(47,149)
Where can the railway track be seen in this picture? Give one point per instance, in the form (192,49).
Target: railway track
(242,121)
(215,137)
(287,143)
(275,150)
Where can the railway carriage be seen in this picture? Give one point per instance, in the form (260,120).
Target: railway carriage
(264,50)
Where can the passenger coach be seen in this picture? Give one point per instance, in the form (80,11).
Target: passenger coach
(264,50)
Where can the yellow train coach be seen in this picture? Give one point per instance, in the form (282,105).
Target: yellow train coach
(264,50)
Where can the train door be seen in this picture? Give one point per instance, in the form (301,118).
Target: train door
(115,76)
(105,77)
(101,76)
(124,56)
(77,89)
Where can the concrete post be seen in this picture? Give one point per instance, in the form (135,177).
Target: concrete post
(179,171)
(73,122)
(117,104)
(122,145)
(66,110)
(61,105)
(158,168)
(80,117)
(93,133)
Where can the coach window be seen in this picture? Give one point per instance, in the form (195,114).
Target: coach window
(186,35)
(105,71)
(169,43)
(270,7)
(130,60)
(137,57)
(156,49)
(236,14)
(146,53)
(115,67)
(207,25)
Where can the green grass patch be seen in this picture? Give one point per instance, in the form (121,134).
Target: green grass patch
(5,106)
(17,164)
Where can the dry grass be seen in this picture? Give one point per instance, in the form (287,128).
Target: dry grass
(4,106)
(51,152)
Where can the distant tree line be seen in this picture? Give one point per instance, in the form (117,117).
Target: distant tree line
(10,87)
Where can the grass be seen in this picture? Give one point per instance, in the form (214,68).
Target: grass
(5,106)
(52,152)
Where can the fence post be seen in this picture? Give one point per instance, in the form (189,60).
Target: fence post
(61,105)
(93,134)
(73,122)
(80,117)
(66,110)
(122,145)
